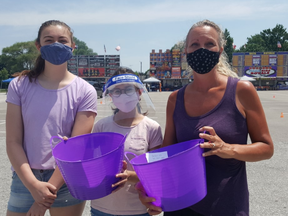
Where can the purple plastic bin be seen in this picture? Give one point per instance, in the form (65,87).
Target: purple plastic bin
(176,182)
(89,163)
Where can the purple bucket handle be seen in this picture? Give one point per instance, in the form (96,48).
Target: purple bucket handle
(125,154)
(124,138)
(55,137)
(202,140)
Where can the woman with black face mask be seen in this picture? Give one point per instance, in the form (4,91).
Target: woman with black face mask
(228,110)
(44,102)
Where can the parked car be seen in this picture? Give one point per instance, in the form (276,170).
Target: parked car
(98,87)
(282,85)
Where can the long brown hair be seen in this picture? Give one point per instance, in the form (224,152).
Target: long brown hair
(40,62)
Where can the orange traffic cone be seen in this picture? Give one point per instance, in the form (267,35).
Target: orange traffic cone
(282,115)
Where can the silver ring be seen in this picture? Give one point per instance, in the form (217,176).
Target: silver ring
(213,145)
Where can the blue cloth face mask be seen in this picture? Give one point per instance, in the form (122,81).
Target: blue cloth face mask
(56,53)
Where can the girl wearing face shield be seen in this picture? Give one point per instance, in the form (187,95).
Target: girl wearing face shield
(126,98)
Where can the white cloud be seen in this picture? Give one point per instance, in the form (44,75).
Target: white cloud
(90,12)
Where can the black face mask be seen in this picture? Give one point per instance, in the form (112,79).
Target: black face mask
(202,61)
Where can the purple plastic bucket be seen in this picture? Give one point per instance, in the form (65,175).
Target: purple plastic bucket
(89,163)
(177,181)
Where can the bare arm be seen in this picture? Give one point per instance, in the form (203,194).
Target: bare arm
(18,159)
(250,106)
(14,147)
(131,175)
(170,135)
(169,139)
(83,125)
(262,145)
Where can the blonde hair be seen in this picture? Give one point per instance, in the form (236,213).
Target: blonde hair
(223,67)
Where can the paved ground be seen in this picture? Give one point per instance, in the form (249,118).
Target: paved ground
(267,180)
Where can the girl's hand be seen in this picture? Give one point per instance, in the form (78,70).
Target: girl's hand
(216,144)
(147,201)
(124,177)
(44,194)
(36,210)
(65,138)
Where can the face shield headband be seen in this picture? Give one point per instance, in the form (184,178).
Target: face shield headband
(122,78)
(145,103)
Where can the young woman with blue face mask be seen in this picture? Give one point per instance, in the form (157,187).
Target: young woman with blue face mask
(228,110)
(131,104)
(44,102)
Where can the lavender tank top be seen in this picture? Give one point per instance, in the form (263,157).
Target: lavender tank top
(227,190)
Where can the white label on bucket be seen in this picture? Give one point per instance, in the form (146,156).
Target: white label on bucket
(151,157)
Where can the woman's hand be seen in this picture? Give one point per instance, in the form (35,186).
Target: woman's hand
(124,177)
(44,193)
(36,210)
(216,144)
(147,201)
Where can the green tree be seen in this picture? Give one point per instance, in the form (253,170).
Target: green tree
(82,48)
(271,37)
(20,56)
(2,65)
(4,74)
(267,40)
(179,45)
(229,44)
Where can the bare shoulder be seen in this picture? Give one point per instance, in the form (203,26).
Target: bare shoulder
(245,86)
(246,93)
(172,97)
(245,89)
(150,122)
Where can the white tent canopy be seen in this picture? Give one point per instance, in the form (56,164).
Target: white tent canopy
(247,78)
(151,80)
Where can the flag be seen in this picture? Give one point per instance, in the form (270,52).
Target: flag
(104,48)
(279,44)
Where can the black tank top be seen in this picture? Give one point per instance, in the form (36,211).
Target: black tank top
(227,190)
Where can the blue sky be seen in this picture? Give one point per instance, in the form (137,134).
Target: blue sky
(138,26)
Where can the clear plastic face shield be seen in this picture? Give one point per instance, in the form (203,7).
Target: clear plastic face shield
(125,96)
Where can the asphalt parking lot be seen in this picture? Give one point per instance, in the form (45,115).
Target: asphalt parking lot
(267,180)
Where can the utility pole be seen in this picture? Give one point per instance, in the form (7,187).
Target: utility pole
(141,67)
